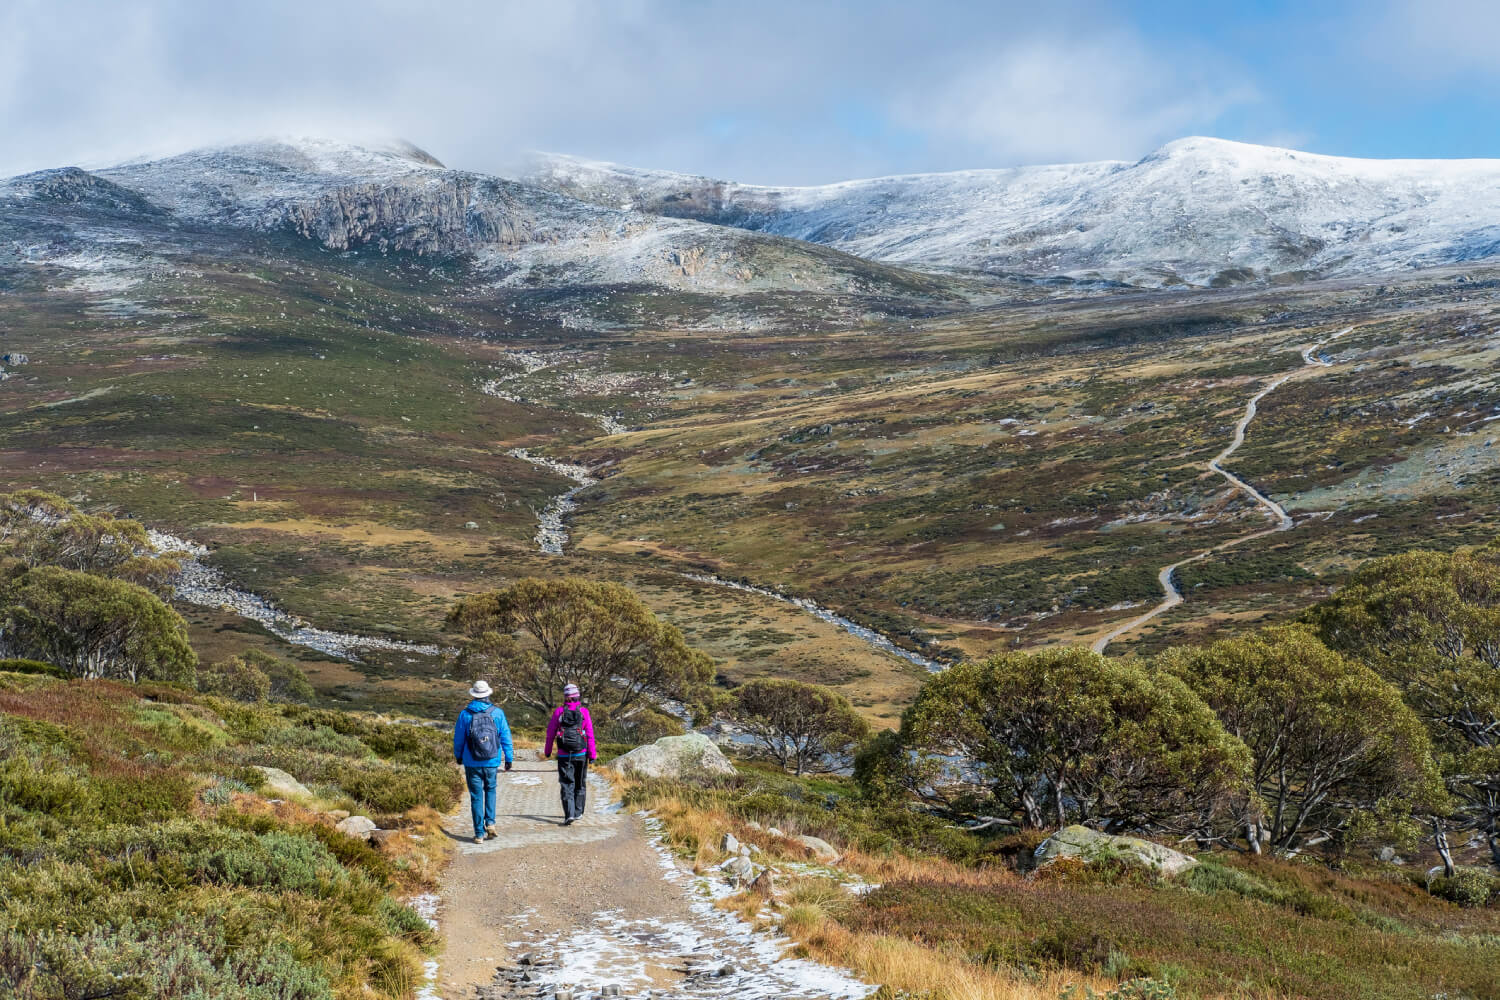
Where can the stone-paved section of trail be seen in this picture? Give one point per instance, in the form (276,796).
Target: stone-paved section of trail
(597,909)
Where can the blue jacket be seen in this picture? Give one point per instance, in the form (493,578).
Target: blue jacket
(461,736)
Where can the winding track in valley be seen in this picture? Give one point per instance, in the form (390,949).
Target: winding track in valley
(1171,595)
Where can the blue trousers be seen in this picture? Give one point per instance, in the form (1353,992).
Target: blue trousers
(481,796)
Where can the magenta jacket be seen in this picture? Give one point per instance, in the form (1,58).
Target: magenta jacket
(588,727)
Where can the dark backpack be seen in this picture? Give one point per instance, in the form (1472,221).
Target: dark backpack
(483,739)
(570,732)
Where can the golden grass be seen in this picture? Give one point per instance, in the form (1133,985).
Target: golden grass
(911,967)
(806,907)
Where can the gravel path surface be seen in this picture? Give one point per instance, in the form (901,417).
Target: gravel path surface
(596,907)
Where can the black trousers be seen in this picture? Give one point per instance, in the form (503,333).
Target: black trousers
(572,779)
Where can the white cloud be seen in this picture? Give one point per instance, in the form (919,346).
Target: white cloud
(1436,38)
(756,92)
(1059,100)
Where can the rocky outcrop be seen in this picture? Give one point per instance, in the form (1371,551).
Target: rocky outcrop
(356,826)
(822,849)
(1091,845)
(71,186)
(426,213)
(690,756)
(280,785)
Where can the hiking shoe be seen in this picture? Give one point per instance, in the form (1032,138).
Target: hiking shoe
(478,840)
(489,831)
(568,821)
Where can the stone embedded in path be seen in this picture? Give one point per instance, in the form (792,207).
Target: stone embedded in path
(1091,845)
(690,756)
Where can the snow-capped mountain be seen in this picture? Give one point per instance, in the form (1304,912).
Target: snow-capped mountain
(1201,211)
(399,198)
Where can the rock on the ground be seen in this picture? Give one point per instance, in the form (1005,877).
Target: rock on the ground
(279,784)
(741,869)
(822,848)
(356,826)
(1091,845)
(690,756)
(384,839)
(764,884)
(730,844)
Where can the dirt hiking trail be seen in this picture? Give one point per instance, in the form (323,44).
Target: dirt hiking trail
(600,907)
(1312,360)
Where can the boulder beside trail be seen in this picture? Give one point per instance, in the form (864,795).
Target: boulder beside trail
(824,851)
(356,826)
(690,756)
(280,785)
(1091,845)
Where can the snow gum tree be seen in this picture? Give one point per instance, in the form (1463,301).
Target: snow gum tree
(1336,753)
(805,728)
(535,636)
(43,529)
(1069,736)
(93,626)
(1429,623)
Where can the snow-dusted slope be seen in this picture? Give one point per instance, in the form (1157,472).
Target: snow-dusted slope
(1197,210)
(400,198)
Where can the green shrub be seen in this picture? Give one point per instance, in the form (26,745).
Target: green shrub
(179,728)
(143,962)
(1209,876)
(32,667)
(403,921)
(112,885)
(287,681)
(223,791)
(1466,887)
(1144,988)
(317,738)
(142,796)
(234,678)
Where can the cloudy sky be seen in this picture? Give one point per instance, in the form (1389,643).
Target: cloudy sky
(774,91)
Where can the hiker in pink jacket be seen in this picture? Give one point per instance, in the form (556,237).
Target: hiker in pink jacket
(573,732)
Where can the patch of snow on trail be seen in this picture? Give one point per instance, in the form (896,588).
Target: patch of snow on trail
(730,959)
(426,906)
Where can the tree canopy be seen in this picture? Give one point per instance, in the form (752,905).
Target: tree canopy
(535,636)
(1335,750)
(93,626)
(803,727)
(43,529)
(1429,623)
(1068,736)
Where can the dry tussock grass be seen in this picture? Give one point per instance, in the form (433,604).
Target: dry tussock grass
(807,907)
(909,966)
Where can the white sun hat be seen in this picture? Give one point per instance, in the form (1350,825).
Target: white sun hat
(480,690)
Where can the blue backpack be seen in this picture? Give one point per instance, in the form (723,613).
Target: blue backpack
(483,738)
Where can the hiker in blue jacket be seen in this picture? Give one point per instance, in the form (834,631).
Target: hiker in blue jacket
(480,737)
